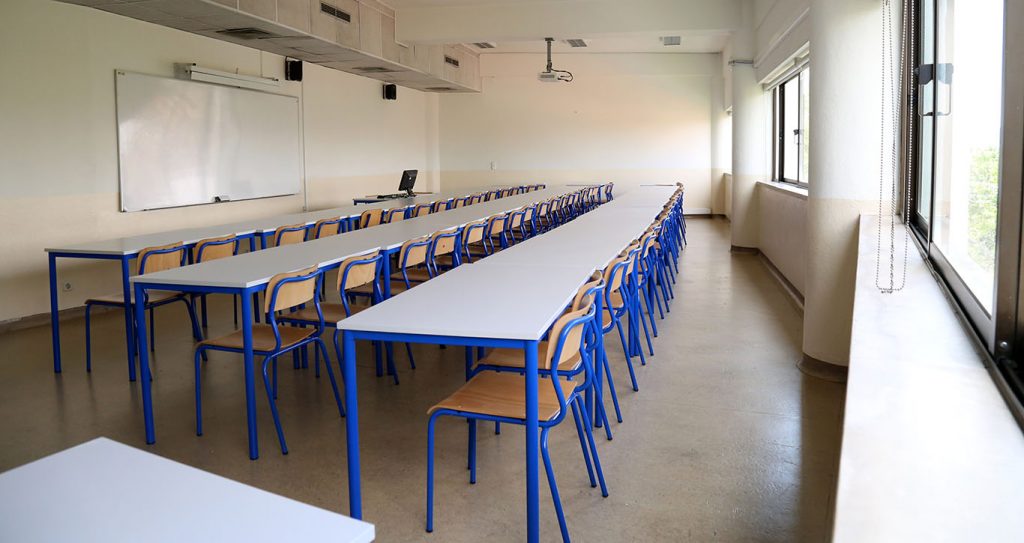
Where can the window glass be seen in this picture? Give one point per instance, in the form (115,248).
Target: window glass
(790,135)
(805,107)
(968,116)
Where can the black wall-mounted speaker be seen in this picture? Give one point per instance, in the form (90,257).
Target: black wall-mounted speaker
(390,91)
(292,69)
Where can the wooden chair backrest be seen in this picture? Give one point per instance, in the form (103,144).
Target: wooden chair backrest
(459,202)
(613,283)
(290,235)
(444,241)
(290,294)
(530,211)
(358,274)
(573,340)
(474,231)
(395,215)
(581,294)
(516,218)
(327,227)
(371,217)
(162,261)
(412,254)
(421,210)
(212,248)
(496,224)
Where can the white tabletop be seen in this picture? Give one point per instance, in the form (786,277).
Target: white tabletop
(105,491)
(252,269)
(133,244)
(517,293)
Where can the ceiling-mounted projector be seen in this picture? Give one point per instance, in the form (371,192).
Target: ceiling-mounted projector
(551,75)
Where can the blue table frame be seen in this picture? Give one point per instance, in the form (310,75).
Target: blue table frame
(126,290)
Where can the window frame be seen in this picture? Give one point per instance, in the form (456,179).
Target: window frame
(778,101)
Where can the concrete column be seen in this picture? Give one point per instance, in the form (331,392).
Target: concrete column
(749,163)
(844,167)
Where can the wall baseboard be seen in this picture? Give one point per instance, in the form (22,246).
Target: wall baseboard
(43,319)
(794,295)
(822,370)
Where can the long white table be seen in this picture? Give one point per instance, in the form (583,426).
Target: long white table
(103,490)
(249,273)
(125,249)
(522,291)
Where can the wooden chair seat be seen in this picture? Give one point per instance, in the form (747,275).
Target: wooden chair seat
(507,357)
(333,312)
(503,395)
(155,297)
(262,337)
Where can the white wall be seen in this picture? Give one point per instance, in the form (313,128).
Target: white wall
(783,228)
(58,155)
(627,118)
(781,28)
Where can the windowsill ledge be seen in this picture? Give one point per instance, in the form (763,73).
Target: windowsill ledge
(785,188)
(930,450)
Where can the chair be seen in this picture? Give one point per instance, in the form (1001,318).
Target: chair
(441,255)
(328,227)
(370,217)
(289,235)
(473,240)
(151,260)
(514,224)
(616,308)
(460,202)
(395,215)
(441,205)
(496,227)
(422,209)
(286,291)
(510,359)
(499,397)
(214,249)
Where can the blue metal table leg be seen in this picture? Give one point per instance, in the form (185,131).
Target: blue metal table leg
(250,384)
(147,383)
(129,322)
(54,314)
(385,291)
(348,370)
(255,295)
(532,445)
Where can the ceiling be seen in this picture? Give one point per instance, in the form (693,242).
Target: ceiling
(648,43)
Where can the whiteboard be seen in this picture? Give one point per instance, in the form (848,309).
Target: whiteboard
(184,142)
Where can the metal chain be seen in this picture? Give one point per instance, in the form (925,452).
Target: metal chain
(893,77)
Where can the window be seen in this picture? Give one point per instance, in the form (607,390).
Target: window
(790,145)
(964,154)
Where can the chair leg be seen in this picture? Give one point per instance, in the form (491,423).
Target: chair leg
(430,471)
(389,350)
(377,359)
(583,444)
(152,331)
(88,339)
(643,321)
(274,363)
(199,396)
(649,296)
(197,333)
(629,359)
(551,482)
(593,449)
(321,346)
(273,404)
(472,451)
(611,385)
(408,351)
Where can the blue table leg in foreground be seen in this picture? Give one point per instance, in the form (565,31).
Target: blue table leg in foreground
(348,372)
(256,295)
(129,331)
(147,392)
(250,382)
(532,445)
(54,314)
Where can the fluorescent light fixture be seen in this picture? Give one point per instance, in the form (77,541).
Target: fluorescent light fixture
(195,72)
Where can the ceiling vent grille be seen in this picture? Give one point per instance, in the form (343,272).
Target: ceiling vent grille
(374,70)
(246,33)
(576,42)
(451,60)
(335,12)
(485,45)
(671,40)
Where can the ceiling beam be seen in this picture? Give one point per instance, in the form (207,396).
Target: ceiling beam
(533,20)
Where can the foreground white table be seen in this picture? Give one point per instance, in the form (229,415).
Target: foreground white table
(105,491)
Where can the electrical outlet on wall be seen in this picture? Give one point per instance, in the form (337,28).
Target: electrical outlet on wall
(494,165)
